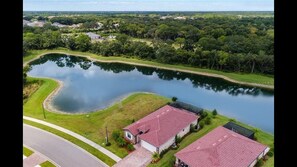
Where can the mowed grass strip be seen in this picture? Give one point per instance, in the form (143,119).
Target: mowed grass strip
(241,77)
(262,137)
(75,141)
(27,152)
(47,164)
(92,125)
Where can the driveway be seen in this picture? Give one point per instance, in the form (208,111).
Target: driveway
(59,150)
(138,158)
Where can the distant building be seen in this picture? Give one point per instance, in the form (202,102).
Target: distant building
(111,36)
(180,18)
(220,148)
(58,25)
(165,17)
(25,22)
(156,132)
(93,36)
(99,24)
(36,24)
(75,25)
(116,25)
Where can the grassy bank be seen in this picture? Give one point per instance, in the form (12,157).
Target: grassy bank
(134,107)
(27,152)
(247,79)
(262,137)
(92,125)
(75,141)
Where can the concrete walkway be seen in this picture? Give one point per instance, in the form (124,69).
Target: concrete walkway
(91,143)
(33,160)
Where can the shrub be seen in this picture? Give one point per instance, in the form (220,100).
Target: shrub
(214,112)
(177,139)
(155,157)
(201,124)
(204,114)
(133,120)
(193,128)
(174,98)
(259,163)
(270,153)
(208,121)
(130,147)
(121,142)
(232,120)
(116,134)
(164,151)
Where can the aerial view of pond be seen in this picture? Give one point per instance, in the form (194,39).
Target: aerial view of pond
(90,86)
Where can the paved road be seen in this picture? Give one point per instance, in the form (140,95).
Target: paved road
(91,143)
(63,152)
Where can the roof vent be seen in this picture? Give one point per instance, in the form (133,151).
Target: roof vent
(198,147)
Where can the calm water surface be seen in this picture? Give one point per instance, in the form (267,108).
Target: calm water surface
(89,86)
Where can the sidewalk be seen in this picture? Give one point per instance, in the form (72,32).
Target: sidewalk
(91,143)
(33,160)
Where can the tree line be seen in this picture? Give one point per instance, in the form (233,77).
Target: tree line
(228,44)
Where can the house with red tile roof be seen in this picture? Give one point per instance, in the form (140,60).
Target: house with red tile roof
(157,131)
(221,148)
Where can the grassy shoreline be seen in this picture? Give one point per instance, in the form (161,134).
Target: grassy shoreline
(88,125)
(244,79)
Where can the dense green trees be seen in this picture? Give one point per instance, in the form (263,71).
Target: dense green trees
(222,43)
(82,43)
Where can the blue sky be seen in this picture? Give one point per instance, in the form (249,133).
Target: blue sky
(148,5)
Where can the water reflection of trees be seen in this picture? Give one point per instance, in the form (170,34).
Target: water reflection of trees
(198,81)
(64,61)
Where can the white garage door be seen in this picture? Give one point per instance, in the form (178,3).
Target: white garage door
(147,146)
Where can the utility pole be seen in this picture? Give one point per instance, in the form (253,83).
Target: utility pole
(43,112)
(106,135)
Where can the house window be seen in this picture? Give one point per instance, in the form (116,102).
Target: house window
(129,135)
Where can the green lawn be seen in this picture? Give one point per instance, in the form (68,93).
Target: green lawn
(92,125)
(47,164)
(117,116)
(27,152)
(168,158)
(265,81)
(75,141)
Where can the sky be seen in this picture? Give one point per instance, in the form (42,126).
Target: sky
(148,5)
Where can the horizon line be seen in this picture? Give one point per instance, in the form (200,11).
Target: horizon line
(148,11)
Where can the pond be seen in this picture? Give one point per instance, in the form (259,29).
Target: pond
(90,86)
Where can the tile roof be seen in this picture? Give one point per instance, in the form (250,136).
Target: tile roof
(221,148)
(162,124)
